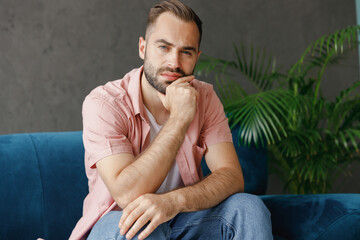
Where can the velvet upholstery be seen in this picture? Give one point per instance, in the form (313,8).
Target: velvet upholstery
(43,184)
(321,217)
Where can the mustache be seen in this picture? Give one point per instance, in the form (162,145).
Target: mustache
(174,70)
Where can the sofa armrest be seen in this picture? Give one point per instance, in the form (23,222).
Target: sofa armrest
(320,216)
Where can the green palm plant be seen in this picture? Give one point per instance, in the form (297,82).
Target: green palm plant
(310,139)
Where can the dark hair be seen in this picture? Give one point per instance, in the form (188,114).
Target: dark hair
(178,9)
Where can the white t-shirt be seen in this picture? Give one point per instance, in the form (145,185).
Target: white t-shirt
(173,179)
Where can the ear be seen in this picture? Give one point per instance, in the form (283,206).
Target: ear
(142,48)
(198,55)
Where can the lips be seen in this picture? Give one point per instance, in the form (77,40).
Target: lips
(171,76)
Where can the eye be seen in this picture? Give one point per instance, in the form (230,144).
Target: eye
(163,47)
(187,53)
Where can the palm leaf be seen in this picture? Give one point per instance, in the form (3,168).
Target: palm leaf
(261,116)
(253,68)
(348,137)
(258,66)
(345,109)
(208,64)
(299,141)
(326,47)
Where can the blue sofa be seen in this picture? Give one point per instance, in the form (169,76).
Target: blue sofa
(43,184)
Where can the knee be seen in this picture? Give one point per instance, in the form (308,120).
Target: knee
(110,219)
(250,215)
(247,205)
(107,227)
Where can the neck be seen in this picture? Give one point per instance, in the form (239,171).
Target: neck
(152,101)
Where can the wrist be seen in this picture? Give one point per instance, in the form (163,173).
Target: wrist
(179,200)
(182,120)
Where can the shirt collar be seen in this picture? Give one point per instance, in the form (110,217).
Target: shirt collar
(135,94)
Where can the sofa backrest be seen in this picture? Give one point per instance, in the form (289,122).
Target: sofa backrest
(43,182)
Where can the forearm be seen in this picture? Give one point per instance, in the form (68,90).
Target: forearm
(148,171)
(209,192)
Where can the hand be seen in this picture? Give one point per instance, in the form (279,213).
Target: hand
(152,208)
(180,99)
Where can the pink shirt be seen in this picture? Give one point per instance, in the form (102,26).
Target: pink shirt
(115,121)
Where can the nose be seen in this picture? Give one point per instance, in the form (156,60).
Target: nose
(174,60)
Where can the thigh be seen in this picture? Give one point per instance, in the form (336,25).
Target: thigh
(194,226)
(241,216)
(207,224)
(107,229)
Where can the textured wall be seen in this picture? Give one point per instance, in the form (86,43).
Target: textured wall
(52,53)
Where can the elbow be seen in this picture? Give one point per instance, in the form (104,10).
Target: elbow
(241,185)
(239,180)
(125,196)
(234,180)
(123,200)
(123,192)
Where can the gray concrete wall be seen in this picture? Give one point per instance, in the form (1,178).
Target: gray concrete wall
(52,53)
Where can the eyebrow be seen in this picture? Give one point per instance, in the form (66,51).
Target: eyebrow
(188,48)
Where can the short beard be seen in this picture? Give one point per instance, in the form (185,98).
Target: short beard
(152,74)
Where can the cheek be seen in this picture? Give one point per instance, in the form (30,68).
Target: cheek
(189,65)
(152,60)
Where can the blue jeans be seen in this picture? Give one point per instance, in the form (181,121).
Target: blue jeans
(241,216)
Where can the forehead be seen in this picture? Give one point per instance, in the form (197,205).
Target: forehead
(174,30)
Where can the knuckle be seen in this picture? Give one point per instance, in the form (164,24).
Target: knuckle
(125,226)
(132,215)
(164,215)
(147,201)
(152,210)
(125,213)
(160,216)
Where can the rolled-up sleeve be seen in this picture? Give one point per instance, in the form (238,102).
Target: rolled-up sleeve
(105,130)
(216,128)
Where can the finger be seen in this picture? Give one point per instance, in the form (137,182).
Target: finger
(180,85)
(183,79)
(184,84)
(131,219)
(145,218)
(149,229)
(126,211)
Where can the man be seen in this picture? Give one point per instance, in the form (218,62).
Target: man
(144,138)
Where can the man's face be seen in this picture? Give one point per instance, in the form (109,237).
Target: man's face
(170,51)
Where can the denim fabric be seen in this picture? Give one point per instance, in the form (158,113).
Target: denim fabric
(241,216)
